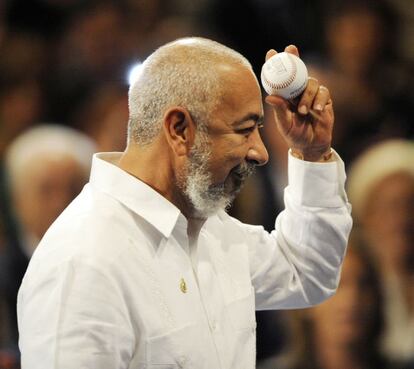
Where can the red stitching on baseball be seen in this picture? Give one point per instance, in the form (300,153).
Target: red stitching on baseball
(288,82)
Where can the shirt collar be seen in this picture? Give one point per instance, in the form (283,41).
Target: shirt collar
(143,200)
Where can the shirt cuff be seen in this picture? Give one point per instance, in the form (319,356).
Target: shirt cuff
(317,184)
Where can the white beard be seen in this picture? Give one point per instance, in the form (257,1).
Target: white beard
(206,197)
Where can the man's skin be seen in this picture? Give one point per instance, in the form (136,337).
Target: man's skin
(233,133)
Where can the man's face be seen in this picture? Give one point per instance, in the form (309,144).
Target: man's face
(388,218)
(50,184)
(226,155)
(347,318)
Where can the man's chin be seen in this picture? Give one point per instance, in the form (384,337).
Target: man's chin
(212,207)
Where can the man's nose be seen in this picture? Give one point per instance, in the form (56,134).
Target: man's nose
(257,151)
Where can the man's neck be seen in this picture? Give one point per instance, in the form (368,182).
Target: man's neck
(154,167)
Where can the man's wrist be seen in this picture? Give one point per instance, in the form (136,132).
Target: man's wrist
(317,157)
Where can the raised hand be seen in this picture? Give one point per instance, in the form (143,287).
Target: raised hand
(306,123)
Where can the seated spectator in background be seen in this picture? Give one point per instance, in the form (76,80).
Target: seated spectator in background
(46,167)
(342,332)
(381,189)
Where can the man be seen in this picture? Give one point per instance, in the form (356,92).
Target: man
(145,269)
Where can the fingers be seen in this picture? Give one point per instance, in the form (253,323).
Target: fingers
(289,49)
(321,99)
(277,102)
(270,53)
(292,49)
(314,97)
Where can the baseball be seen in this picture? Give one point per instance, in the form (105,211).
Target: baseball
(284,75)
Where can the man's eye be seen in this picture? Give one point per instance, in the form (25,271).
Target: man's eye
(247,130)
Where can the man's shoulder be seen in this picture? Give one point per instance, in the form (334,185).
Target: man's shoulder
(93,224)
(94,210)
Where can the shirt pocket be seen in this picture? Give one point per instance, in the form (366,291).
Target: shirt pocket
(171,350)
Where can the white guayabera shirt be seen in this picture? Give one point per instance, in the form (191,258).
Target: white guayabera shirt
(113,285)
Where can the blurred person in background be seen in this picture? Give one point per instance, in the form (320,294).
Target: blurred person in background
(46,167)
(22,64)
(103,116)
(372,83)
(381,188)
(92,48)
(405,43)
(152,23)
(21,103)
(343,332)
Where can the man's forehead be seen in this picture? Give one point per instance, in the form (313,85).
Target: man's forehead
(241,91)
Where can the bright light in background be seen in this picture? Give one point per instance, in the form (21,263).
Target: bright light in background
(134,72)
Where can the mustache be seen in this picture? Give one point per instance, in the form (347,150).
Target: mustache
(244,170)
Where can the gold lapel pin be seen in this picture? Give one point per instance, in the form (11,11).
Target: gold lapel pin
(183,286)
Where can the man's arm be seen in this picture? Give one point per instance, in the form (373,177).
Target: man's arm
(299,264)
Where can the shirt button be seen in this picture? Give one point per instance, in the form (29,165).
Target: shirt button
(181,361)
(214,326)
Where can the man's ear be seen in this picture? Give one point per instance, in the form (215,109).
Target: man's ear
(179,129)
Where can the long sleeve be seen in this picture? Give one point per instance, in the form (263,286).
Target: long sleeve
(298,264)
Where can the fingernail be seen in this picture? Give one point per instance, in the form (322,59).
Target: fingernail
(303,109)
(318,107)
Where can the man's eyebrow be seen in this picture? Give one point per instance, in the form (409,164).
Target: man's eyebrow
(258,119)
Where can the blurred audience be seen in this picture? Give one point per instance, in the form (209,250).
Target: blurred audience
(405,10)
(22,63)
(369,81)
(46,167)
(20,105)
(92,48)
(381,189)
(104,117)
(343,332)
(152,23)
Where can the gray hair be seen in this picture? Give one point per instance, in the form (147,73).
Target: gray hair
(181,73)
(46,139)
